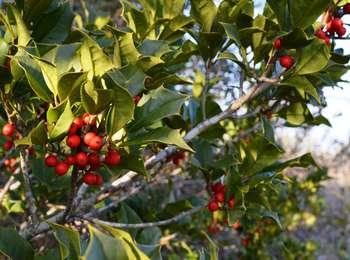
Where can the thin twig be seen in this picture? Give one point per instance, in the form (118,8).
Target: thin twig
(147,224)
(73,188)
(6,188)
(28,188)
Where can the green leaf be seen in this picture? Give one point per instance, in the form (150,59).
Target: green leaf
(69,82)
(174,29)
(204,12)
(296,114)
(232,32)
(305,13)
(303,86)
(34,77)
(95,100)
(313,57)
(49,73)
(68,240)
(59,127)
(230,56)
(38,135)
(158,104)
(295,39)
(63,57)
(163,135)
(267,129)
(102,246)
(154,48)
(128,50)
(122,109)
(14,246)
(22,31)
(93,59)
(303,161)
(55,26)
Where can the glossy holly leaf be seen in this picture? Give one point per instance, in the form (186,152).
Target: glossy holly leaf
(59,124)
(133,251)
(204,12)
(258,154)
(295,39)
(93,59)
(148,241)
(267,129)
(38,135)
(303,86)
(230,56)
(122,109)
(14,246)
(54,26)
(103,246)
(23,33)
(49,73)
(32,9)
(94,99)
(69,84)
(157,105)
(130,77)
(68,241)
(154,48)
(312,58)
(128,51)
(163,135)
(34,77)
(309,14)
(303,161)
(175,28)
(232,32)
(296,114)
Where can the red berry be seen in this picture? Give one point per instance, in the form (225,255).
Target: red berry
(96,143)
(81,159)
(341,32)
(70,159)
(73,129)
(89,119)
(346,9)
(320,34)
(8,145)
(7,162)
(286,61)
(73,141)
(8,129)
(89,178)
(277,44)
(337,24)
(176,161)
(218,187)
(94,158)
(137,99)
(213,228)
(220,197)
(236,225)
(245,242)
(78,122)
(51,161)
(112,158)
(231,203)
(98,180)
(61,168)
(213,206)
(88,137)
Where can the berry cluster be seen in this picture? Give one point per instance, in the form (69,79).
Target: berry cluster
(218,199)
(8,131)
(85,144)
